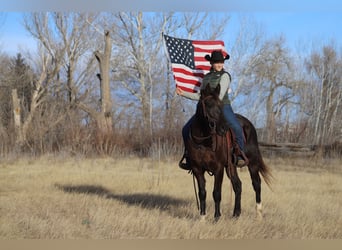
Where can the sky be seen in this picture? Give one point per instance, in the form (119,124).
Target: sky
(301,22)
(302,30)
(171,5)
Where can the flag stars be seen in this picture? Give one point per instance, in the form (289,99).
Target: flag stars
(181,51)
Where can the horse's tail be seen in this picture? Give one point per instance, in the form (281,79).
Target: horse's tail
(252,140)
(265,171)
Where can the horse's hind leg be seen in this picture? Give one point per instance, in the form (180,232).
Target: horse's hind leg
(256,182)
(237,187)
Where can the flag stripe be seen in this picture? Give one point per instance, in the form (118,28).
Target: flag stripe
(190,81)
(187,72)
(188,77)
(201,59)
(198,42)
(185,68)
(207,50)
(191,89)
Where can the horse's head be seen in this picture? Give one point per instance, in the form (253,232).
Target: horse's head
(209,108)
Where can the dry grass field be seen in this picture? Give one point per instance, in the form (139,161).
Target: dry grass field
(74,198)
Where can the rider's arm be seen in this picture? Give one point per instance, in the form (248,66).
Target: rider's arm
(224,84)
(192,96)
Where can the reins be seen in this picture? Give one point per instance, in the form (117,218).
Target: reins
(211,125)
(200,139)
(195,189)
(193,178)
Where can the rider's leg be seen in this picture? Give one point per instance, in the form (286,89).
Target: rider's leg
(234,124)
(186,135)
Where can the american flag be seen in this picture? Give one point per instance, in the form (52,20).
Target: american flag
(187,60)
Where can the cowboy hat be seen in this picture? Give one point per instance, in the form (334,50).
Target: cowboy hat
(216,56)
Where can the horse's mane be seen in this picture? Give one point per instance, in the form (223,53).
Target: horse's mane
(213,106)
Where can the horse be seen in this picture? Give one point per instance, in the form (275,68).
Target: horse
(210,149)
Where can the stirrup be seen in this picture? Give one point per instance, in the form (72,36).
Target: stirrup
(183,165)
(242,160)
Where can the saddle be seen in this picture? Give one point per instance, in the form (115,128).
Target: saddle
(232,146)
(236,151)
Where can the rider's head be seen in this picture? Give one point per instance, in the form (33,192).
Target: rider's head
(217,59)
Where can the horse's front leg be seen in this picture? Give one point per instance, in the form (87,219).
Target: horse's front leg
(202,194)
(217,191)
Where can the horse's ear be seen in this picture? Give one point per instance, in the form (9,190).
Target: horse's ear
(217,89)
(206,90)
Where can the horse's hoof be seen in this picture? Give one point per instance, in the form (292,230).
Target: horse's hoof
(236,215)
(259,217)
(217,215)
(216,218)
(203,218)
(259,211)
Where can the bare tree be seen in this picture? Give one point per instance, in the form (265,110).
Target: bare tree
(5,104)
(46,70)
(70,39)
(138,41)
(65,36)
(325,68)
(271,75)
(247,43)
(103,118)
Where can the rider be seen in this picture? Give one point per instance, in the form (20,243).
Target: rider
(217,75)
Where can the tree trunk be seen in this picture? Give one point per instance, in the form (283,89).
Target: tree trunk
(104,119)
(270,121)
(17,119)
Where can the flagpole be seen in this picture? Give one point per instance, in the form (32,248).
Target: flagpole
(165,48)
(169,72)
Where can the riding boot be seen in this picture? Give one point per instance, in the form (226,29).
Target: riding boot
(242,159)
(185,165)
(240,162)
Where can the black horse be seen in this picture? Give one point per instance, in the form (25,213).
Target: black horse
(210,148)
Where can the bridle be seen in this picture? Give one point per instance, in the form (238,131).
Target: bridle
(211,124)
(211,121)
